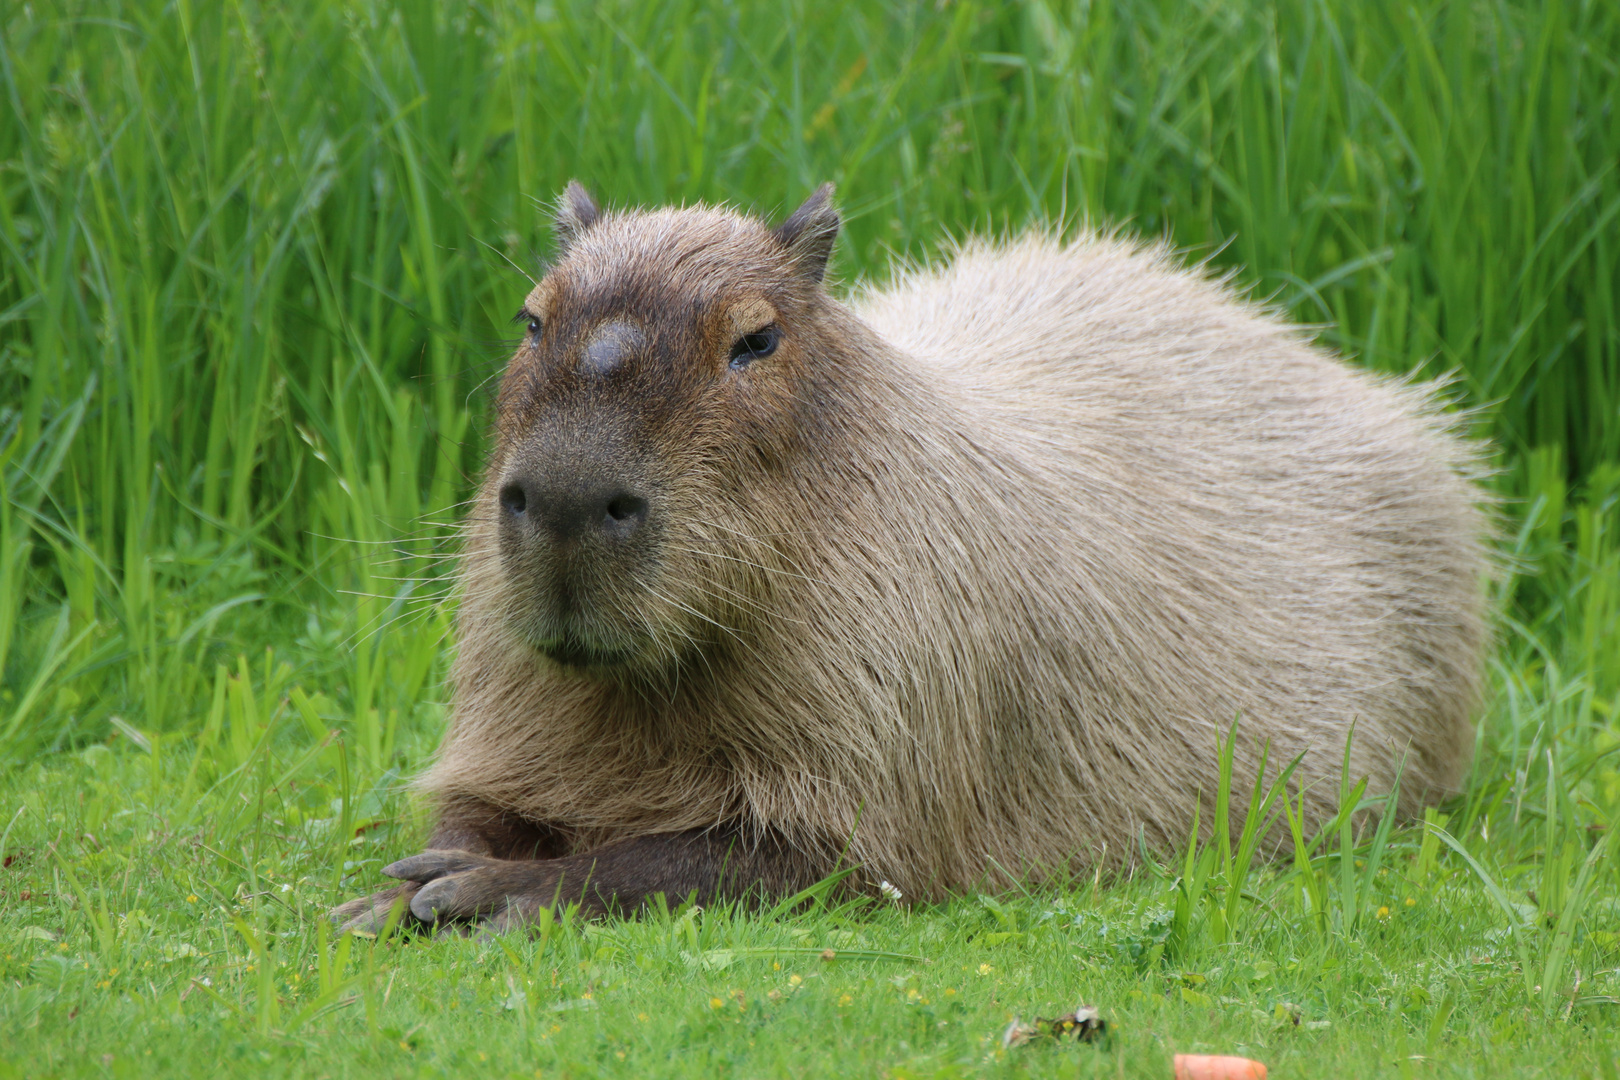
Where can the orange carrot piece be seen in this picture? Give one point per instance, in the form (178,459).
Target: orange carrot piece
(1215,1067)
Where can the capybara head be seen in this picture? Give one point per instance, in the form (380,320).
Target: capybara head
(666,372)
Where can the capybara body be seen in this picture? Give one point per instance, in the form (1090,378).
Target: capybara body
(958,583)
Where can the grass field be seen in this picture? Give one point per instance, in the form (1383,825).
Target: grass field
(256,265)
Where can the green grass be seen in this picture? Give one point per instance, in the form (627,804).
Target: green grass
(256,263)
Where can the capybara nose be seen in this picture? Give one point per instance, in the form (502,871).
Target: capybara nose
(570,512)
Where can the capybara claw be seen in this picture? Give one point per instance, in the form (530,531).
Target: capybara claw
(369,914)
(435,901)
(367,922)
(433,864)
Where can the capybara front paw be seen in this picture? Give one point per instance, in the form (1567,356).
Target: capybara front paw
(458,885)
(369,914)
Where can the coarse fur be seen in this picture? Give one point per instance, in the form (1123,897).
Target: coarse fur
(965,580)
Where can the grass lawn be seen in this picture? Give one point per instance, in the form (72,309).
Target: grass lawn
(257,264)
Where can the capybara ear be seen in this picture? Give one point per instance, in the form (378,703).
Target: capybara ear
(809,233)
(576,211)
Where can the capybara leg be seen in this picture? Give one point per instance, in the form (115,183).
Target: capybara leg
(712,864)
(468,824)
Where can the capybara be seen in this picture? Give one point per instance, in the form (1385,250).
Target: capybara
(956,583)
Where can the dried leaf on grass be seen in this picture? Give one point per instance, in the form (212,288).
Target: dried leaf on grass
(1085,1024)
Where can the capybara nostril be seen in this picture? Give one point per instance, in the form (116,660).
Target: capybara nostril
(514,499)
(626,510)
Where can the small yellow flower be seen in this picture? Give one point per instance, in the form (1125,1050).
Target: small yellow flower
(985,969)
(1411,902)
(641,1017)
(776,965)
(1383,913)
(950,991)
(192,899)
(482,1056)
(845,999)
(794,980)
(716,1003)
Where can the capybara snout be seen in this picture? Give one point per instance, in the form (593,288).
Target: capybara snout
(578,543)
(593,501)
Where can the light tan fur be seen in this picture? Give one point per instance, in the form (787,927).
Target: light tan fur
(1076,508)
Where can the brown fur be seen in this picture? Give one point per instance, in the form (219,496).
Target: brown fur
(969,575)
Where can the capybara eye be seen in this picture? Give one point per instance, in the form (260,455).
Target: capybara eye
(533,321)
(750,347)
